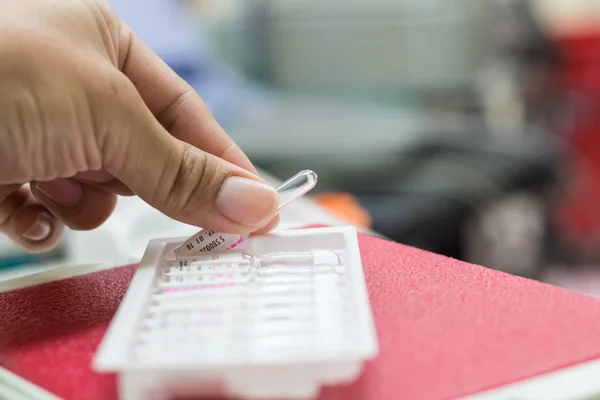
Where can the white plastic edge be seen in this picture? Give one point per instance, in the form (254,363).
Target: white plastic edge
(578,382)
(111,352)
(56,274)
(14,387)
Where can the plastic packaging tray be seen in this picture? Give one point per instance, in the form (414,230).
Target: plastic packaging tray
(281,323)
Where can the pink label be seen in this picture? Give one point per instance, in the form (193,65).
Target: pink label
(240,241)
(200,287)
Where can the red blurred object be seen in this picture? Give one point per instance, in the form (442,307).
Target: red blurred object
(579,215)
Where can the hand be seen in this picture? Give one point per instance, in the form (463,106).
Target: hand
(87,111)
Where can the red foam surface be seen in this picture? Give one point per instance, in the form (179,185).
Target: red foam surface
(446,328)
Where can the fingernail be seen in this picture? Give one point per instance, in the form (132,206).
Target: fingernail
(40,229)
(64,192)
(246,201)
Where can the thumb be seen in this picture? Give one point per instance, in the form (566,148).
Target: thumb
(180,180)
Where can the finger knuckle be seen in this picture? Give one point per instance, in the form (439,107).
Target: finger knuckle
(104,10)
(193,184)
(42,132)
(169,115)
(22,138)
(108,24)
(111,95)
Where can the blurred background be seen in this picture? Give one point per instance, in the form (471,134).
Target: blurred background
(469,128)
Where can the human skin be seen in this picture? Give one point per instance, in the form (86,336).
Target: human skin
(89,112)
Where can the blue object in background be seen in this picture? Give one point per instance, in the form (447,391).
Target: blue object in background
(174,33)
(21,259)
(11,256)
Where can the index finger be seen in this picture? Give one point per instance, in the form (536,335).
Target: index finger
(174,102)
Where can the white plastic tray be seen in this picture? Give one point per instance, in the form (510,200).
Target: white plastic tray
(281,332)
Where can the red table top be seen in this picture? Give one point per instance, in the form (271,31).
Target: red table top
(446,328)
